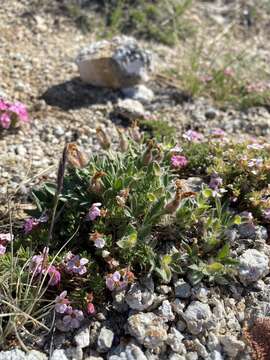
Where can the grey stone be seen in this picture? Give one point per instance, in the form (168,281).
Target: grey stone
(175,356)
(182,289)
(15,354)
(130,352)
(105,340)
(174,340)
(119,301)
(82,338)
(165,311)
(211,113)
(139,297)
(74,353)
(231,345)
(216,355)
(178,306)
(129,109)
(118,63)
(196,316)
(201,293)
(164,289)
(148,328)
(140,93)
(59,354)
(192,356)
(253,266)
(36,355)
(250,231)
(200,348)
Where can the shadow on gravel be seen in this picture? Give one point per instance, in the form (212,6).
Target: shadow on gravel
(75,94)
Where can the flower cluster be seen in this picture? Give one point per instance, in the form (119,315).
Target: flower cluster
(178,161)
(119,280)
(4,240)
(39,264)
(12,113)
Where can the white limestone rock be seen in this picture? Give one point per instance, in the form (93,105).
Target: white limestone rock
(116,63)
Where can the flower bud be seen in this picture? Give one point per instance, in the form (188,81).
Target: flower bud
(104,140)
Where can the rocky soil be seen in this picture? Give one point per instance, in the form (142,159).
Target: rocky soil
(37,53)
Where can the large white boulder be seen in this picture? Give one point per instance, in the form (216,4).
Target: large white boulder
(116,63)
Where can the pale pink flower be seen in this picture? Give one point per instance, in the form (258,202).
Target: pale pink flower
(215,182)
(8,237)
(91,308)
(39,262)
(179,161)
(266,214)
(73,318)
(218,133)
(76,265)
(62,303)
(228,72)
(116,281)
(32,223)
(193,136)
(54,274)
(255,146)
(94,211)
(2,249)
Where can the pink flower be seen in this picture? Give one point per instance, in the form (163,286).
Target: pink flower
(2,249)
(215,182)
(5,120)
(8,237)
(4,240)
(76,265)
(62,303)
(218,133)
(55,275)
(20,110)
(255,146)
(29,224)
(32,223)
(91,308)
(73,318)
(94,211)
(119,281)
(39,262)
(228,72)
(206,78)
(179,161)
(3,105)
(192,135)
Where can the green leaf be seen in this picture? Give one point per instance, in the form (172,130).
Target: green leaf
(237,220)
(207,193)
(128,241)
(151,197)
(37,202)
(215,267)
(166,260)
(50,188)
(224,252)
